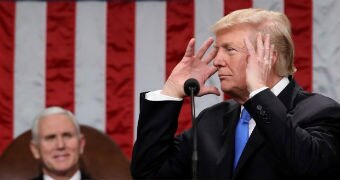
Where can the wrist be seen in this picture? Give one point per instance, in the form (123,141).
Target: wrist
(255,87)
(253,93)
(172,90)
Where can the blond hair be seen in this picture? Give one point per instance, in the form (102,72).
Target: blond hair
(267,22)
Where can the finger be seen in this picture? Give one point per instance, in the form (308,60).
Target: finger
(209,90)
(190,51)
(205,46)
(212,70)
(249,46)
(211,55)
(266,56)
(259,44)
(207,73)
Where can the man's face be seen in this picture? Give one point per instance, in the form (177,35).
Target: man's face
(231,59)
(59,146)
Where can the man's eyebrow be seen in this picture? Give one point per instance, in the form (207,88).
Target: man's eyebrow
(48,136)
(226,44)
(68,133)
(231,44)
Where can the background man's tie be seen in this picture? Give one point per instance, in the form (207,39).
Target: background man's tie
(241,135)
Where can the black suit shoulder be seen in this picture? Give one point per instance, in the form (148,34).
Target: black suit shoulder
(40,177)
(318,106)
(307,97)
(219,108)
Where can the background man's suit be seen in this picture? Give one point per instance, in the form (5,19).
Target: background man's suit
(83,175)
(291,132)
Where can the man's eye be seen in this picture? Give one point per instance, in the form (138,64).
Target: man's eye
(230,49)
(68,135)
(49,138)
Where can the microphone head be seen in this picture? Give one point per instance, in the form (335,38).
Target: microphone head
(191,85)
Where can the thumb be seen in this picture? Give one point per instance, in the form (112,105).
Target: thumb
(209,90)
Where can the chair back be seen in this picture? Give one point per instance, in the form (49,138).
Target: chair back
(102,158)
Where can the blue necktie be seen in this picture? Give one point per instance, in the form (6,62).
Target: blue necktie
(241,136)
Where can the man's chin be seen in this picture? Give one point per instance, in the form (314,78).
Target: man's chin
(226,89)
(63,169)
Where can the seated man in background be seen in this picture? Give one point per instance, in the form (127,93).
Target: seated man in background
(58,143)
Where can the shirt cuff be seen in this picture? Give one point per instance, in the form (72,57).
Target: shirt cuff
(253,93)
(157,96)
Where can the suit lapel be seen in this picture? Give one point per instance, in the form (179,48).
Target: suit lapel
(289,94)
(226,153)
(256,140)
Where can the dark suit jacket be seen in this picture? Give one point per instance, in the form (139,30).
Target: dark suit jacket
(297,136)
(83,175)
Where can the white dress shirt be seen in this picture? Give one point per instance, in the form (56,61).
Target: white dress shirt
(76,176)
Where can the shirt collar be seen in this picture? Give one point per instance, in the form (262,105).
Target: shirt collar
(280,86)
(76,176)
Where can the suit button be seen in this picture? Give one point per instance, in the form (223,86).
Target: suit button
(262,112)
(267,120)
(259,107)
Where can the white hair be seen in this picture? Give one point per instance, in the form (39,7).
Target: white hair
(49,112)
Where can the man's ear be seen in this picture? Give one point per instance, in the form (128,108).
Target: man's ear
(82,142)
(35,150)
(275,57)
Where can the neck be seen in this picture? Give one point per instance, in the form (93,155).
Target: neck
(64,175)
(242,96)
(274,80)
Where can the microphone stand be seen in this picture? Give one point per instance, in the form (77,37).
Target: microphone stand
(194,138)
(192,88)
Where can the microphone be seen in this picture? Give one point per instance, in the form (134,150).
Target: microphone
(192,88)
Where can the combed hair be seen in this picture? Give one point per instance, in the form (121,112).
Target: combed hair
(267,22)
(54,110)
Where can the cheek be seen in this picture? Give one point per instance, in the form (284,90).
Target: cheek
(74,146)
(239,66)
(240,71)
(46,152)
(46,148)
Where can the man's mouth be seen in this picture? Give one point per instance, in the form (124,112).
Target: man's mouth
(60,157)
(222,76)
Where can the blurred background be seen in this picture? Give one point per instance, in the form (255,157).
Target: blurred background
(95,57)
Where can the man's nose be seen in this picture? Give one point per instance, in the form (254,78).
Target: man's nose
(219,60)
(60,143)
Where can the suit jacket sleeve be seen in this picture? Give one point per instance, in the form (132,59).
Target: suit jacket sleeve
(157,152)
(305,137)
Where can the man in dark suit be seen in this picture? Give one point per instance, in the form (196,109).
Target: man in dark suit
(270,129)
(58,143)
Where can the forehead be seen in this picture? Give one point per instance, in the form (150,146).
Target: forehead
(56,123)
(235,34)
